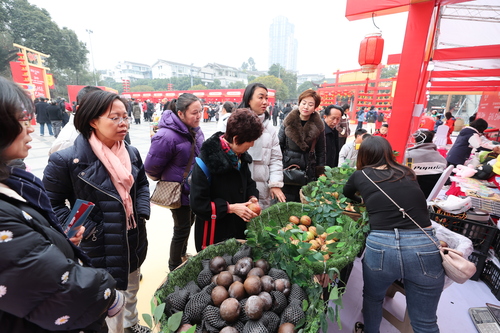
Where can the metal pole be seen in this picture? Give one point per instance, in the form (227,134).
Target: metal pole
(92,54)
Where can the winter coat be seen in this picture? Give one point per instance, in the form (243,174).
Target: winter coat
(222,124)
(348,152)
(361,115)
(427,163)
(170,150)
(136,110)
(42,117)
(462,148)
(54,112)
(267,166)
(286,110)
(226,186)
(43,288)
(371,116)
(296,141)
(332,146)
(77,173)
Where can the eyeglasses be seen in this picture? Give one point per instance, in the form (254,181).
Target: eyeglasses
(117,120)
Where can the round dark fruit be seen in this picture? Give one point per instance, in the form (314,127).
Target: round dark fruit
(286,328)
(253,285)
(224,279)
(230,310)
(243,266)
(267,299)
(237,290)
(267,283)
(219,295)
(217,265)
(282,285)
(230,269)
(229,329)
(254,307)
(257,271)
(262,263)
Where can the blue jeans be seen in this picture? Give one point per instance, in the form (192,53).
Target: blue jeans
(406,254)
(42,128)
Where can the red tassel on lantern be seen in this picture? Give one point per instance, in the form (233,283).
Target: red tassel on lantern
(370,52)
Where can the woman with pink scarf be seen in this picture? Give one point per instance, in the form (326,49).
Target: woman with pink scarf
(102,168)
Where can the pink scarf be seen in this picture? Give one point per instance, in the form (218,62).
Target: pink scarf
(117,161)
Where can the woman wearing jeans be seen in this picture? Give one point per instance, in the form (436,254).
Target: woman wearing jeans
(395,248)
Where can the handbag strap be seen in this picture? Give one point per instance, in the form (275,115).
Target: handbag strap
(188,166)
(292,166)
(213,217)
(401,209)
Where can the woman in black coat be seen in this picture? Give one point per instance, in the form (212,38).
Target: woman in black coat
(302,141)
(223,178)
(43,286)
(100,167)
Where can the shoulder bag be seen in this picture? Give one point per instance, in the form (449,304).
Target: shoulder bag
(168,194)
(294,175)
(456,267)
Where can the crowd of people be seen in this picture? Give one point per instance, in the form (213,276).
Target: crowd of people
(94,279)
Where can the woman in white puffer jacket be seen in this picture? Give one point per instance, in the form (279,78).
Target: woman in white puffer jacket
(267,165)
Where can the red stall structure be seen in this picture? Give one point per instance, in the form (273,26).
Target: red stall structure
(206,96)
(460,38)
(359,90)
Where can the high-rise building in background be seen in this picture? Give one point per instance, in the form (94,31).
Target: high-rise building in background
(282,44)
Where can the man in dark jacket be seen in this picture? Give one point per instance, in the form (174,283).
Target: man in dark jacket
(42,117)
(332,116)
(56,117)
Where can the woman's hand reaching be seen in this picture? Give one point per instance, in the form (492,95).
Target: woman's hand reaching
(277,193)
(242,210)
(76,239)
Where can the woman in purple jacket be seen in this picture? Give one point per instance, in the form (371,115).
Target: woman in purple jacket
(168,156)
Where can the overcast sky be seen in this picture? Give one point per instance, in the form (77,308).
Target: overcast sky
(226,32)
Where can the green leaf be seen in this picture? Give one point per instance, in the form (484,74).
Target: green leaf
(158,313)
(334,293)
(174,321)
(192,329)
(305,305)
(147,318)
(322,179)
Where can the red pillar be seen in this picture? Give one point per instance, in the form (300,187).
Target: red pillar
(409,74)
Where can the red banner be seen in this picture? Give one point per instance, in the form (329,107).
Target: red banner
(38,80)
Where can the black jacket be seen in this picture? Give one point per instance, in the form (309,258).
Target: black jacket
(42,116)
(296,141)
(227,186)
(332,146)
(54,112)
(44,281)
(77,173)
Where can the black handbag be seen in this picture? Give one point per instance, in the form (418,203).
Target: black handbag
(294,175)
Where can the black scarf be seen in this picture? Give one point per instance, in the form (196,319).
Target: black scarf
(31,188)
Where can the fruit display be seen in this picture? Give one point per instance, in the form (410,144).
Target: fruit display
(319,239)
(234,293)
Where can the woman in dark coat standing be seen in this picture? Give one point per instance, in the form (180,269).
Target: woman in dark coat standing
(223,178)
(168,157)
(302,141)
(43,286)
(100,167)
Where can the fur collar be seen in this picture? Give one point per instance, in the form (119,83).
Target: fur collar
(303,136)
(216,160)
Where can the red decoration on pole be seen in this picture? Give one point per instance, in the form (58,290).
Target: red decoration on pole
(370,52)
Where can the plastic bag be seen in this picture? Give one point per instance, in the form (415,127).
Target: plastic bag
(455,241)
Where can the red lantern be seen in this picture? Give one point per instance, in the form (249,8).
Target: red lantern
(370,52)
